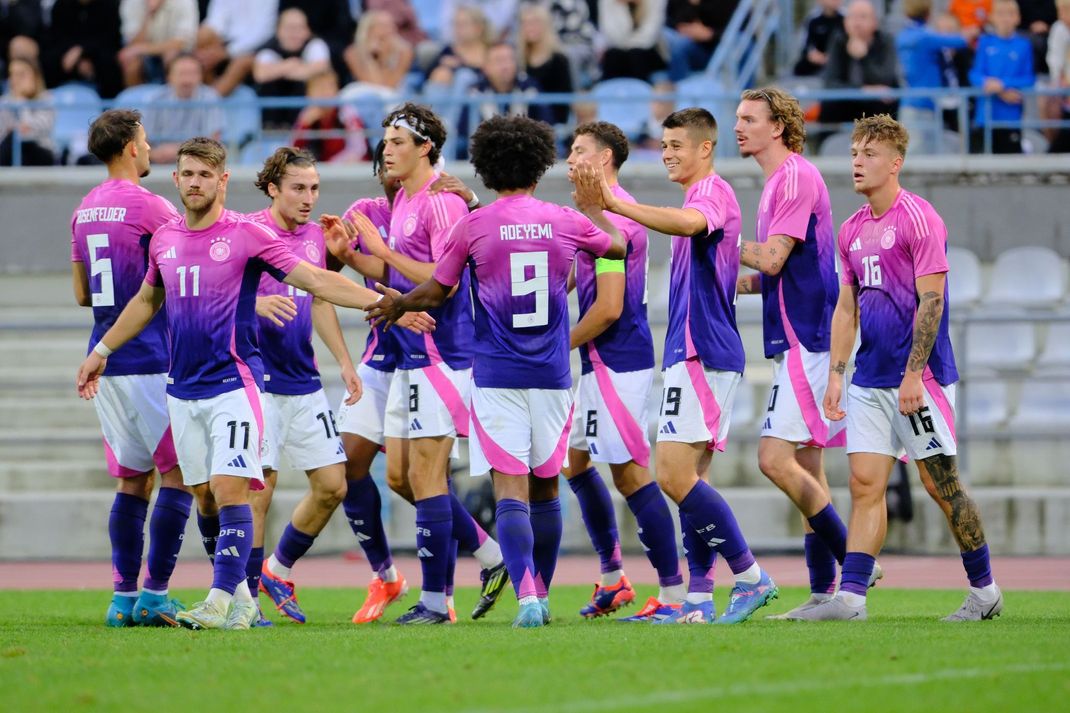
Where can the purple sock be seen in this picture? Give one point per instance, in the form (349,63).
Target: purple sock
(364,511)
(517,541)
(830,528)
(434,535)
(597,508)
(292,545)
(466,531)
(709,515)
(978,567)
(209,527)
(126,527)
(232,548)
(546,531)
(657,533)
(451,567)
(701,561)
(857,568)
(166,529)
(253,569)
(821,563)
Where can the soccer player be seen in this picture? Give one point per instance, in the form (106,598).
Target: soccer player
(610,423)
(902,393)
(794,255)
(298,420)
(207,265)
(521,250)
(703,364)
(362,423)
(110,231)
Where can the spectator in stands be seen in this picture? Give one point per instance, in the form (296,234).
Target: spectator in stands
(331,21)
(1002,67)
(693,28)
(972,16)
(921,51)
(1037,19)
(379,55)
(500,14)
(579,38)
(184,107)
(21,24)
(409,25)
(330,133)
(1059,69)
(283,66)
(82,45)
(632,30)
(821,24)
(230,35)
(33,126)
(861,57)
(154,31)
(501,75)
(540,58)
(468,50)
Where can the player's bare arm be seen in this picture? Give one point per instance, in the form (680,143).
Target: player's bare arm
(330,286)
(749,284)
(414,270)
(137,314)
(339,235)
(769,257)
(391,308)
(280,309)
(670,221)
(607,307)
(80,282)
(445,183)
(930,289)
(844,327)
(325,322)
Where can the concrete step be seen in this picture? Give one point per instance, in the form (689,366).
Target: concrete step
(49,289)
(56,412)
(49,476)
(42,444)
(32,349)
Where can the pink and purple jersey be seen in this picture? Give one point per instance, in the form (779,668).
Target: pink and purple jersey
(289,360)
(380,351)
(799,301)
(520,251)
(210,278)
(419,227)
(702,288)
(883,257)
(110,234)
(627,344)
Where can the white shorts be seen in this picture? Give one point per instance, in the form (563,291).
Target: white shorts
(220,435)
(520,431)
(611,415)
(133,418)
(301,428)
(794,411)
(696,404)
(874,424)
(428,402)
(365,418)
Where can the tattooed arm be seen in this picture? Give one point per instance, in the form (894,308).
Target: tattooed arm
(750,284)
(926,327)
(768,257)
(844,327)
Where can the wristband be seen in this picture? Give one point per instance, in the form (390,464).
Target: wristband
(102,349)
(474,203)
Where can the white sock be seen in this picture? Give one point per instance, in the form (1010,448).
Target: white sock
(435,601)
(987,593)
(699,597)
(821,596)
(751,575)
(449,602)
(157,592)
(524,601)
(242,593)
(390,574)
(611,578)
(129,595)
(278,568)
(219,598)
(852,599)
(674,594)
(489,554)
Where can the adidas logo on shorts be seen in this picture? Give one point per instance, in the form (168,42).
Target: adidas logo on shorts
(415,425)
(933,444)
(668,428)
(238,462)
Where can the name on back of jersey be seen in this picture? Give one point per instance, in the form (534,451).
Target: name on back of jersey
(527,231)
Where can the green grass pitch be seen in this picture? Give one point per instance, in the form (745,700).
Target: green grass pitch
(56,655)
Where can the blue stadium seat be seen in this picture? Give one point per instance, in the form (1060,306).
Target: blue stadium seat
(837,145)
(76,107)
(257,151)
(624,102)
(138,97)
(701,90)
(372,105)
(241,111)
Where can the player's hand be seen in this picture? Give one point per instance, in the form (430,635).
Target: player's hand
(588,194)
(337,238)
(88,380)
(373,241)
(992,85)
(387,309)
(419,322)
(278,308)
(911,393)
(446,183)
(833,396)
(353,384)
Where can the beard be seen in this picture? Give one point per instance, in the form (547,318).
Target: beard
(198,203)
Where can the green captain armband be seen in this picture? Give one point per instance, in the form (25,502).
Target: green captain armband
(603,265)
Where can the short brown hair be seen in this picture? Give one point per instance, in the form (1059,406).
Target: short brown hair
(112,131)
(882,129)
(784,109)
(204,149)
(608,136)
(917,9)
(275,167)
(693,119)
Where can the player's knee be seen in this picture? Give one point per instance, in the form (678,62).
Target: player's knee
(864,487)
(772,464)
(139,486)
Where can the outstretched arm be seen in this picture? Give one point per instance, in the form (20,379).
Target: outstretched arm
(393,305)
(339,235)
(590,181)
(769,257)
(330,286)
(930,311)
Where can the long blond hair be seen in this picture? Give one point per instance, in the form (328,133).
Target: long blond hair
(549,39)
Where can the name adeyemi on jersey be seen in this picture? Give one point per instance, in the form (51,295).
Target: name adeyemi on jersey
(527,231)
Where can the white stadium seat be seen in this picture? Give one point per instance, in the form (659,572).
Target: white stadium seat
(1043,405)
(1030,276)
(1000,345)
(1056,353)
(964,278)
(986,405)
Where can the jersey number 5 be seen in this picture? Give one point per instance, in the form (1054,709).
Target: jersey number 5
(538,284)
(104,296)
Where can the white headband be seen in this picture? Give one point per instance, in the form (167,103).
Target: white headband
(402,122)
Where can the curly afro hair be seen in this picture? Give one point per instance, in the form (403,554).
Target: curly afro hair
(512,153)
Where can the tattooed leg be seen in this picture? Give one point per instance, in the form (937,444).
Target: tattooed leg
(940,476)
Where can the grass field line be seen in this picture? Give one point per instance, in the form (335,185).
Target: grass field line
(777,688)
